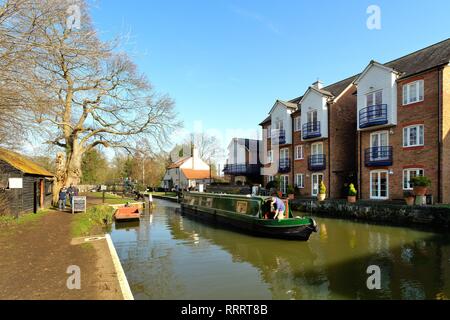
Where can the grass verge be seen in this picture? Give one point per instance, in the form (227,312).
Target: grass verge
(6,221)
(110,198)
(95,217)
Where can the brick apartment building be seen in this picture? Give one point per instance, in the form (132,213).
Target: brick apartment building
(404,123)
(319,141)
(376,129)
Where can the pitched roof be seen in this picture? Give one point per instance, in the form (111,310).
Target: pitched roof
(266,121)
(178,164)
(23,163)
(424,59)
(196,174)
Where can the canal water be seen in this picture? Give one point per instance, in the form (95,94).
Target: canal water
(168,256)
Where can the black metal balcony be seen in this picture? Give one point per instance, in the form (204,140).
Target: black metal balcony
(284,166)
(379,157)
(278,136)
(242,169)
(317,162)
(373,116)
(311,130)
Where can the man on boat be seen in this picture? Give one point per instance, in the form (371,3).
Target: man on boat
(279,208)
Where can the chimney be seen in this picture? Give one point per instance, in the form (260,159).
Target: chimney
(318,84)
(194,156)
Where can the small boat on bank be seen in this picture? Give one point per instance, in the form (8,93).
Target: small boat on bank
(127,214)
(247,214)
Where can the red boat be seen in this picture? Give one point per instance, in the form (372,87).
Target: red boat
(127,214)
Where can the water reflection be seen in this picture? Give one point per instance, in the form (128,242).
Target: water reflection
(173,257)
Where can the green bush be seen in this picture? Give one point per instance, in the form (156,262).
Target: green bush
(275,184)
(290,190)
(98,216)
(352,192)
(323,188)
(421,181)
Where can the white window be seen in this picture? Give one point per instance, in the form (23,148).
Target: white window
(379,141)
(279,125)
(374,98)
(317,149)
(298,152)
(413,92)
(379,184)
(269,131)
(413,136)
(284,182)
(312,116)
(316,180)
(270,156)
(284,154)
(300,180)
(297,123)
(270,178)
(408,174)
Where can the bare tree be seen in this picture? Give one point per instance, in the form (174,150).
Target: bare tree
(79,92)
(208,146)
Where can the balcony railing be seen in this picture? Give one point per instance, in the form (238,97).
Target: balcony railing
(317,162)
(311,130)
(278,136)
(284,166)
(379,156)
(242,169)
(373,116)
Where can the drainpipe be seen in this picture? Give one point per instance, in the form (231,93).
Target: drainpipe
(293,151)
(359,165)
(440,132)
(329,149)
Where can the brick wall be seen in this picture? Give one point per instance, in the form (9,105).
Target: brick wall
(445,183)
(426,157)
(343,142)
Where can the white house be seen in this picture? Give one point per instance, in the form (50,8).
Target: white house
(187,172)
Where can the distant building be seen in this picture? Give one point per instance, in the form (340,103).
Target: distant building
(25,187)
(243,162)
(187,172)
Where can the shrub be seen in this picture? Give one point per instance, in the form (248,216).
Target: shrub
(352,192)
(323,188)
(290,190)
(421,181)
(275,184)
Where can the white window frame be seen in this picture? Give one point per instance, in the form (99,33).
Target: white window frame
(379,172)
(407,175)
(270,178)
(297,124)
(318,146)
(406,133)
(270,156)
(315,191)
(284,183)
(420,92)
(373,94)
(300,180)
(284,154)
(297,155)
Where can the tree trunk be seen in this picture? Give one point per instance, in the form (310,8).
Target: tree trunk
(73,165)
(60,176)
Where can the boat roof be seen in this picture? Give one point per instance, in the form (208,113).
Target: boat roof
(226,195)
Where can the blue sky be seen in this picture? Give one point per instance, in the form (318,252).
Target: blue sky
(226,62)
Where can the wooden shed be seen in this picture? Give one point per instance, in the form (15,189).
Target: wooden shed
(25,187)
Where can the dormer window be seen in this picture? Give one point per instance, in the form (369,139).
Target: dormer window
(413,92)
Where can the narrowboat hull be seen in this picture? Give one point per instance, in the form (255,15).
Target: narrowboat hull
(290,229)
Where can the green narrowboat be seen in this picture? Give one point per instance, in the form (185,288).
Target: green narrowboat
(246,213)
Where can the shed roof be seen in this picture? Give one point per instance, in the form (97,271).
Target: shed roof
(23,163)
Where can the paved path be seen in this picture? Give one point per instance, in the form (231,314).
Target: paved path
(35,256)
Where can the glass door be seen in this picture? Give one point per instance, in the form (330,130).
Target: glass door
(379,142)
(317,178)
(379,185)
